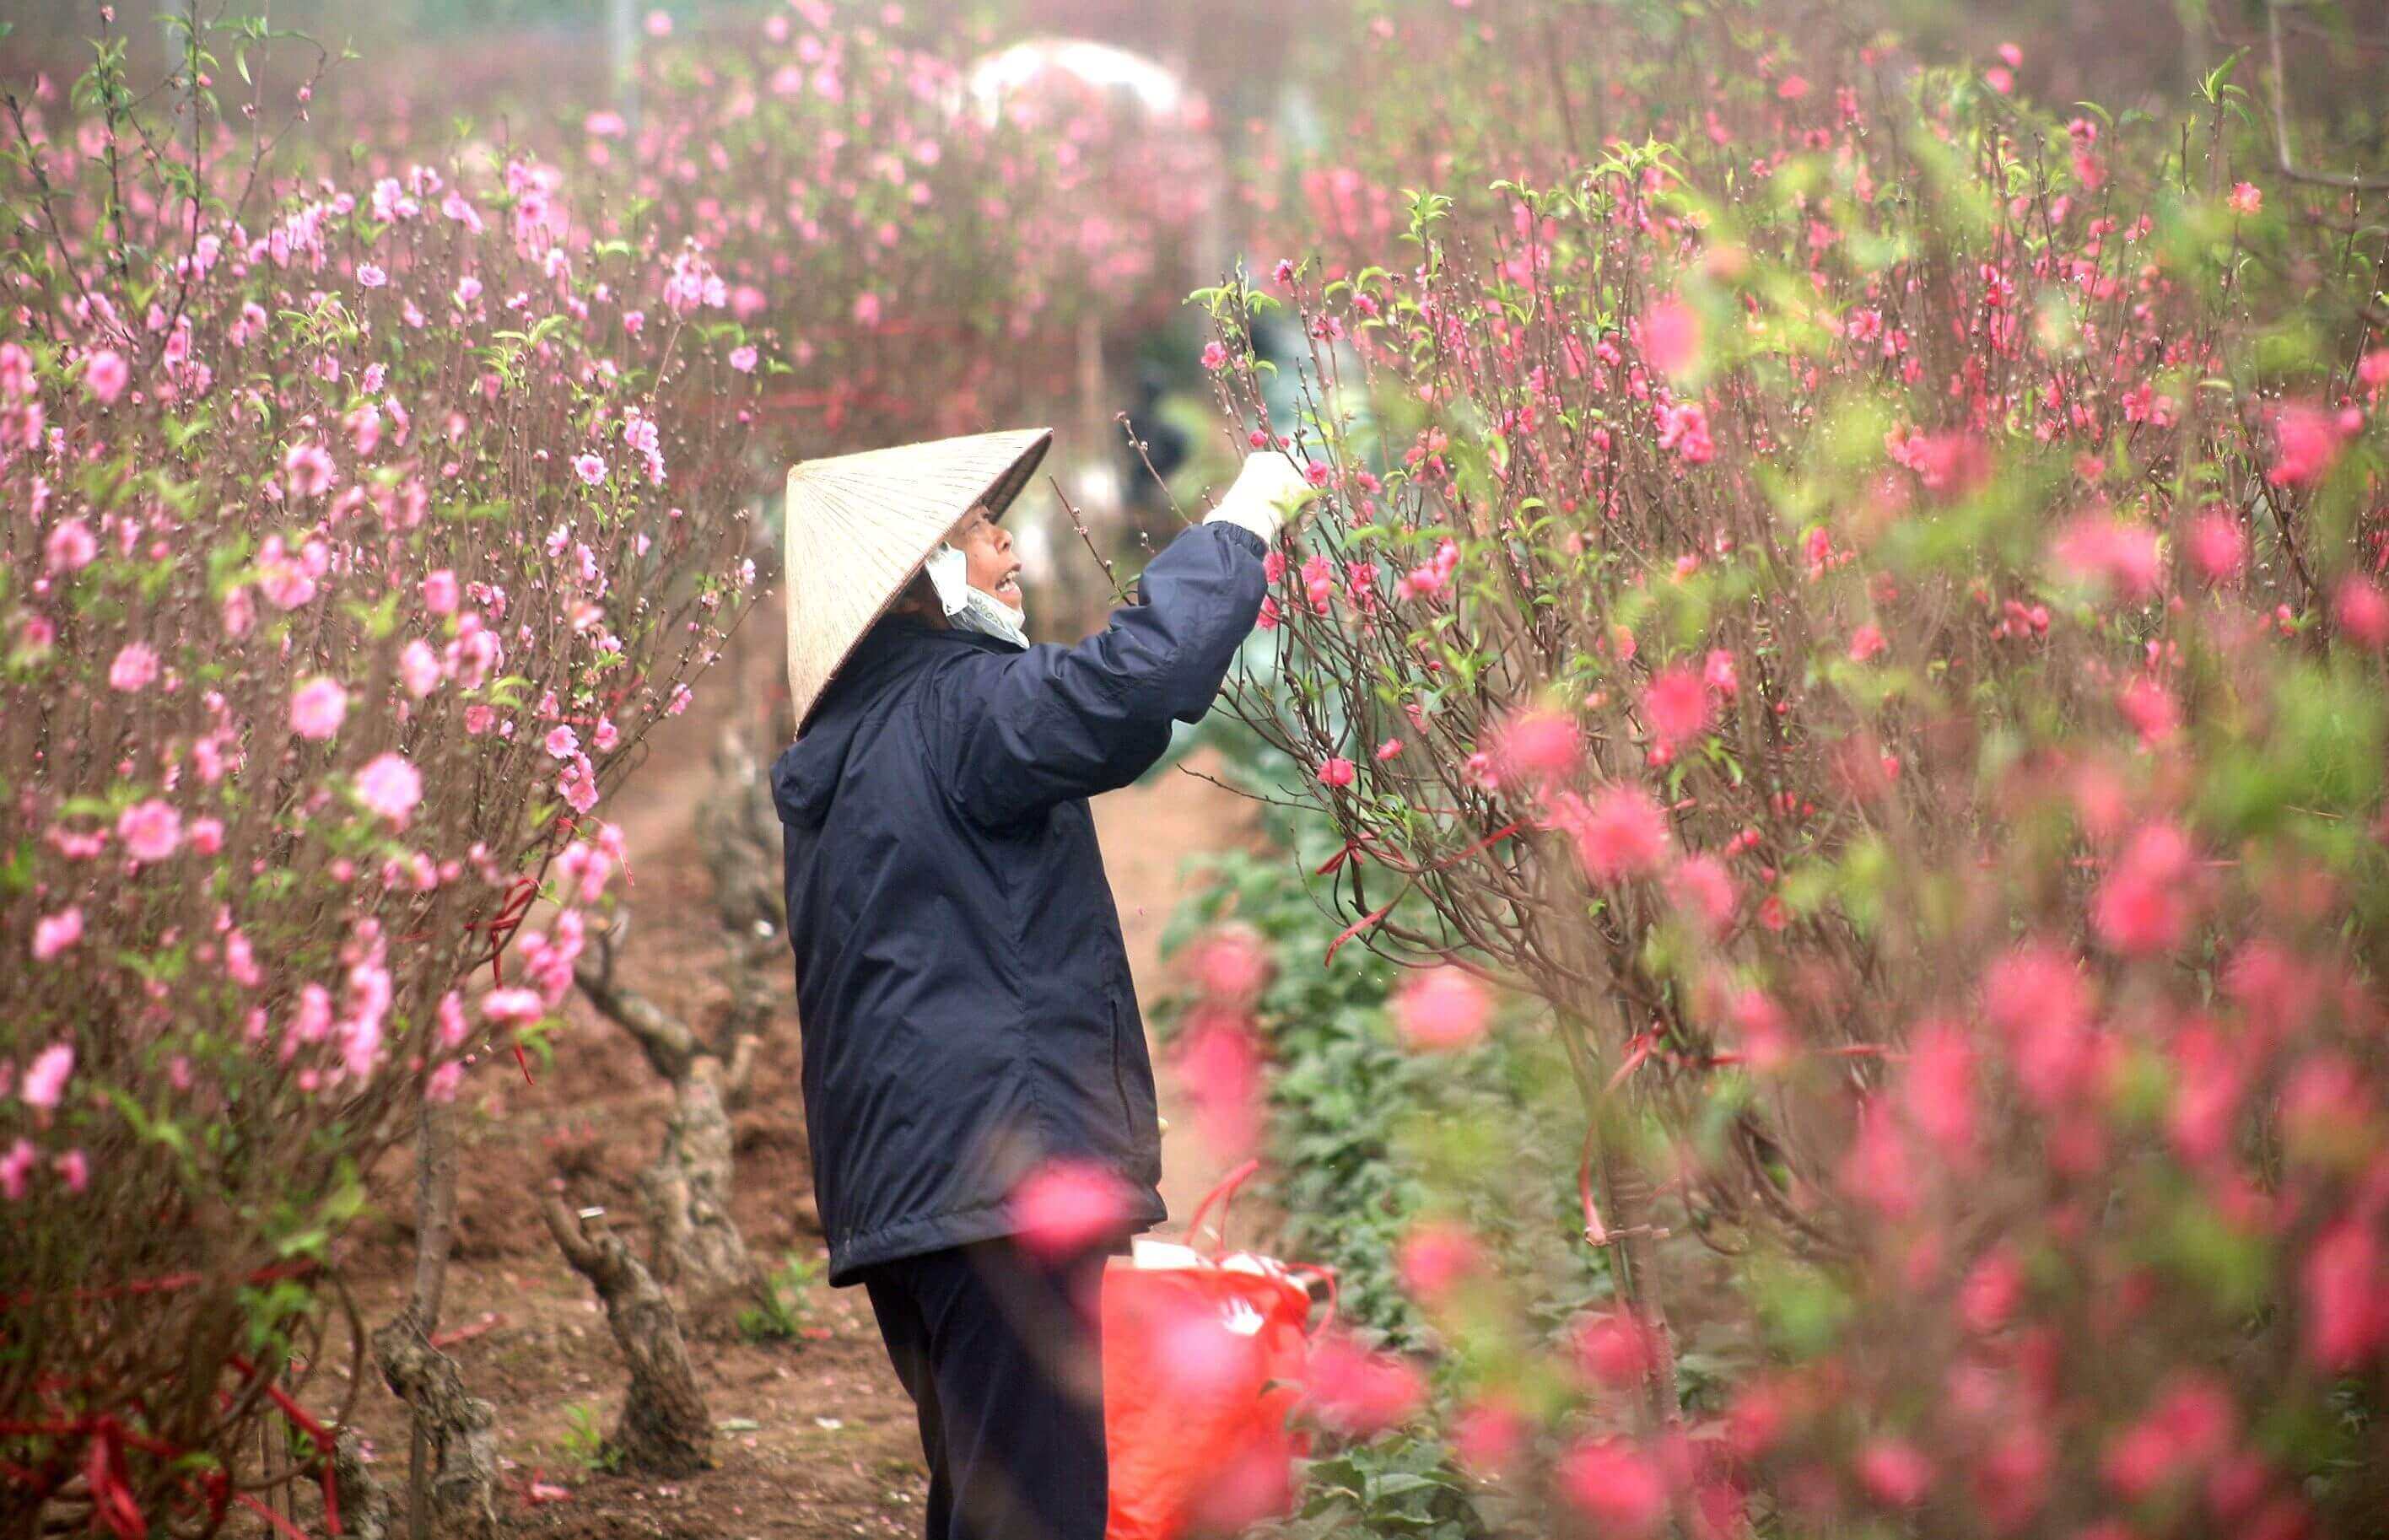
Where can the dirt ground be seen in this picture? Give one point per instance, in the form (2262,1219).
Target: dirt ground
(815,1436)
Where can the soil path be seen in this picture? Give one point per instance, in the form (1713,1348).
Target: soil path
(817,1438)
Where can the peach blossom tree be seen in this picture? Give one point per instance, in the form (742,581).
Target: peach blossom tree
(356,532)
(1864,604)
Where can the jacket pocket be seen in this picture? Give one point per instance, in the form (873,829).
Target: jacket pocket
(1119,1059)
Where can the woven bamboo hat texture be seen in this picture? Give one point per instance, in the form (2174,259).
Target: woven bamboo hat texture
(858,525)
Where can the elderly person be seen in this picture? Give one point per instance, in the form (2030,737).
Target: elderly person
(969,1026)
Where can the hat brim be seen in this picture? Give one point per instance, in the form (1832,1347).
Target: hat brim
(885,511)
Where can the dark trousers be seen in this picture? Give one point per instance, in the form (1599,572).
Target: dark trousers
(1002,1352)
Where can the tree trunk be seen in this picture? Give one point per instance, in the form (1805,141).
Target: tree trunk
(364,1505)
(1630,1209)
(1627,1195)
(697,1247)
(457,1426)
(665,1429)
(695,1244)
(435,1213)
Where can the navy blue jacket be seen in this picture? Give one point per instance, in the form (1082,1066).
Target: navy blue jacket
(962,987)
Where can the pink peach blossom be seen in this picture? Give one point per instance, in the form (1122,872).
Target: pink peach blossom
(106,374)
(134,669)
(151,830)
(55,932)
(46,1078)
(1066,1205)
(317,708)
(390,786)
(1622,834)
(1441,1008)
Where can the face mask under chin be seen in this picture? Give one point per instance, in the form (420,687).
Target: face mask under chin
(988,615)
(970,608)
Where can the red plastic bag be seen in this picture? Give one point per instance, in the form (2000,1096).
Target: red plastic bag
(1203,1359)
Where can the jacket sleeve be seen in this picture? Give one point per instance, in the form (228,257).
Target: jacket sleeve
(1052,723)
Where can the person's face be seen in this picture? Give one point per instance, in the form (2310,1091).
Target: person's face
(986,553)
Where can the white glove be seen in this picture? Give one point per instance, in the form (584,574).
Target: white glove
(1266,490)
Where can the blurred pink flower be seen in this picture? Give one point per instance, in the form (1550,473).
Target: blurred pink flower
(2037,999)
(1219,1064)
(743,360)
(135,668)
(2307,440)
(1622,833)
(561,743)
(2144,906)
(1937,1088)
(1879,1170)
(309,469)
(391,787)
(75,1169)
(1231,965)
(1617,1348)
(2218,547)
(2149,707)
(1537,744)
(46,1078)
(1359,1392)
(1615,1485)
(2246,198)
(1672,336)
(151,830)
(1488,1435)
(1703,886)
(1685,427)
(2347,1302)
(2362,612)
(1435,1255)
(71,547)
(1676,705)
(1895,1473)
(1336,771)
(2189,1429)
(55,932)
(513,1006)
(2120,556)
(439,591)
(20,1159)
(419,669)
(106,374)
(1441,1008)
(590,468)
(1066,1205)
(318,708)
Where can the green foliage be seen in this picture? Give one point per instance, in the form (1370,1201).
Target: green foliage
(1399,1483)
(587,1445)
(785,1307)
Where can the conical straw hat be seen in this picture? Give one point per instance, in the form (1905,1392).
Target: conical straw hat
(858,525)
